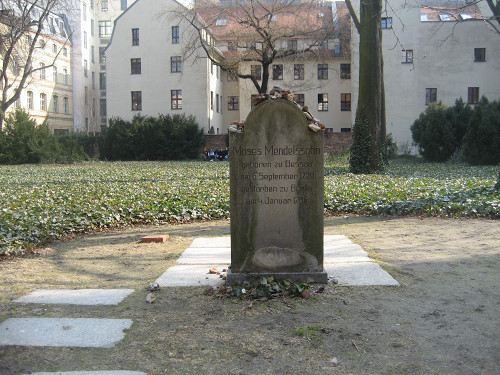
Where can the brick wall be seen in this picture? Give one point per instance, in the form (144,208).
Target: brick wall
(335,143)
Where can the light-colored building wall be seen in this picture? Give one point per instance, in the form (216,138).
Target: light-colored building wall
(49,92)
(156,80)
(443,58)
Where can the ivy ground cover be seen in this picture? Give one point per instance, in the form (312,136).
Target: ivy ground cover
(42,202)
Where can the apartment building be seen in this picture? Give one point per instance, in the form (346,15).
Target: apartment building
(48,92)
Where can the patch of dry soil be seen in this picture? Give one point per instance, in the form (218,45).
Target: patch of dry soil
(444,319)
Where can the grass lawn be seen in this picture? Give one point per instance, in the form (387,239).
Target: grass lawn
(41,202)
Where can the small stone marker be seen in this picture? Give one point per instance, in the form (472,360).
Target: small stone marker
(156,238)
(276,168)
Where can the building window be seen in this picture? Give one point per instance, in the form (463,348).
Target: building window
(86,95)
(65,52)
(92,53)
(278,72)
(300,99)
(85,68)
(322,71)
(221,22)
(85,39)
(292,44)
(93,107)
(55,104)
(102,81)
(407,56)
(233,103)
(232,74)
(84,12)
(104,5)
(43,102)
(135,37)
(175,35)
(104,29)
(386,22)
(66,105)
(430,95)
(175,64)
(92,4)
(212,100)
(217,104)
(29,97)
(54,48)
(176,101)
(345,71)
(298,71)
(135,66)
(322,102)
(345,102)
(136,100)
(54,73)
(92,27)
(123,5)
(103,107)
(93,80)
(256,71)
(473,95)
(42,71)
(102,56)
(65,76)
(231,46)
(323,44)
(479,54)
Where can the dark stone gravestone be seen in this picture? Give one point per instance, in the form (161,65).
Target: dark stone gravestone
(276,167)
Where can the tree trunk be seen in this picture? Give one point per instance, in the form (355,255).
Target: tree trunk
(371,84)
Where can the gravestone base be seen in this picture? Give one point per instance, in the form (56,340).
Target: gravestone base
(303,277)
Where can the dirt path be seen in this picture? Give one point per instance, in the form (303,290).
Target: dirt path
(444,319)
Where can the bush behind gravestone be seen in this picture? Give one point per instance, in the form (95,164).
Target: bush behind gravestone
(164,137)
(481,143)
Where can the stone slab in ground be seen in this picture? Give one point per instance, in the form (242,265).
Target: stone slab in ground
(205,255)
(117,372)
(190,275)
(212,242)
(76,296)
(359,274)
(70,332)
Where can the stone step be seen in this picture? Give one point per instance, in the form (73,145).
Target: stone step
(76,296)
(70,332)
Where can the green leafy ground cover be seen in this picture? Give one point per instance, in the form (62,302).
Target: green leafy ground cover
(42,202)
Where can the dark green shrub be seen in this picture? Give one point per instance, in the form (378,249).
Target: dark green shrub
(164,137)
(481,143)
(433,133)
(359,161)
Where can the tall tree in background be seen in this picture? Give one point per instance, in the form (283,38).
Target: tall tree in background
(259,31)
(367,152)
(22,26)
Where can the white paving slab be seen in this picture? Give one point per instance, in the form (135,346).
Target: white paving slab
(190,275)
(71,332)
(359,274)
(205,255)
(343,260)
(118,372)
(76,296)
(211,242)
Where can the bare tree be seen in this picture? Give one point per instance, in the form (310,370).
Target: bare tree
(371,97)
(260,31)
(22,27)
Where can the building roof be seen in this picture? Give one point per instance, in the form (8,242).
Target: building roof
(450,12)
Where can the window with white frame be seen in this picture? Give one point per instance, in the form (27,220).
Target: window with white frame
(136,100)
(66,105)
(386,22)
(323,102)
(176,99)
(176,64)
(407,56)
(345,71)
(135,36)
(345,102)
(298,71)
(104,29)
(135,66)
(29,99)
(322,71)
(473,95)
(55,104)
(175,35)
(430,95)
(43,102)
(277,72)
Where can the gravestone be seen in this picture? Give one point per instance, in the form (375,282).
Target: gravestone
(276,167)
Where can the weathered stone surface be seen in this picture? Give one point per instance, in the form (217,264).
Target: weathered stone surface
(276,192)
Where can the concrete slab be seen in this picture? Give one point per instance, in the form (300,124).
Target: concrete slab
(118,372)
(211,242)
(359,274)
(332,239)
(70,332)
(190,275)
(76,296)
(205,255)
(345,253)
